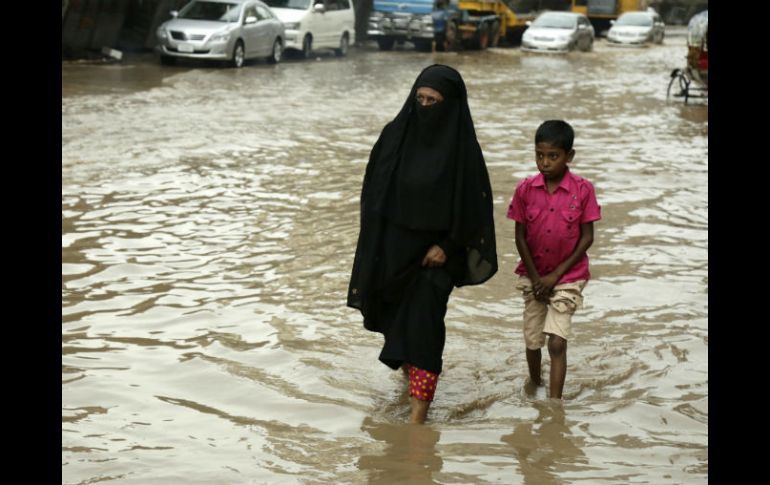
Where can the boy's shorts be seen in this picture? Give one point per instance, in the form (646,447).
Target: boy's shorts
(555,317)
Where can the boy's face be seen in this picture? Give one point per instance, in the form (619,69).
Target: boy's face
(551,160)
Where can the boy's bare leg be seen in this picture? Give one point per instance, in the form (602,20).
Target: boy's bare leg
(557,349)
(419,410)
(533,361)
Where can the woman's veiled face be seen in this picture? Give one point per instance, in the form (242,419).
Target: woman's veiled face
(426,96)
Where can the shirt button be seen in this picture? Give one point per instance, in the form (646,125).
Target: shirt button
(548,231)
(551,209)
(483,194)
(355,291)
(547,251)
(482,240)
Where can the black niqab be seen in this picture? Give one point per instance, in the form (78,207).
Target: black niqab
(425,173)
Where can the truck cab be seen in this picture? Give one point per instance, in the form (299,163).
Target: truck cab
(447,24)
(417,21)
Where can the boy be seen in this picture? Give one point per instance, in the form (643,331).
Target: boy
(554,213)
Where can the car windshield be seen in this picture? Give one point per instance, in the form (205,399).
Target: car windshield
(639,20)
(216,11)
(555,22)
(295,4)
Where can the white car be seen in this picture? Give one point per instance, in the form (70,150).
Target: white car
(636,28)
(222,30)
(316,24)
(558,32)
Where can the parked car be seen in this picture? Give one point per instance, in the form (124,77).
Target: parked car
(558,32)
(225,30)
(637,28)
(316,24)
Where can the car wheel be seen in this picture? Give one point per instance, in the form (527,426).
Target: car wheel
(482,37)
(167,60)
(385,44)
(422,45)
(238,55)
(494,40)
(589,45)
(344,44)
(307,46)
(275,56)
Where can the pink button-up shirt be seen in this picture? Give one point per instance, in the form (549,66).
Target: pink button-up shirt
(553,222)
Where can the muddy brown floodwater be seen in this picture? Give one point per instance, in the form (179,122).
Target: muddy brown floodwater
(209,221)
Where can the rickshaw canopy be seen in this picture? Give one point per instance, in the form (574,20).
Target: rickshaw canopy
(697,29)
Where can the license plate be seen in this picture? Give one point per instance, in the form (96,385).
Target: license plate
(186,48)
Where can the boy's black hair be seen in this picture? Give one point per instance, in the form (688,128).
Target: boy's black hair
(558,133)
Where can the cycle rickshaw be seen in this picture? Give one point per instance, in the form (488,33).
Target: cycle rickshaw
(693,80)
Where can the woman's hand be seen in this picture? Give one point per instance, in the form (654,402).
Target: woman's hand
(435,257)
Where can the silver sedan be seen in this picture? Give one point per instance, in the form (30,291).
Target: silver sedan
(636,28)
(558,32)
(225,30)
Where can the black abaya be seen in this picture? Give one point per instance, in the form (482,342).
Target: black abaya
(426,183)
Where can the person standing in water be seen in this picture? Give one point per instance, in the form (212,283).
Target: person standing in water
(554,212)
(426,227)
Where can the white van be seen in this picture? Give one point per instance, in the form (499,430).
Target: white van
(316,24)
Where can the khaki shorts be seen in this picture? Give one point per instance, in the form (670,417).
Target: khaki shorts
(554,317)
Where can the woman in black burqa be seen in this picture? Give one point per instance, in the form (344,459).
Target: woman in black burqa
(426,227)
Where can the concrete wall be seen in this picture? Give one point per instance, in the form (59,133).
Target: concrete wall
(92,24)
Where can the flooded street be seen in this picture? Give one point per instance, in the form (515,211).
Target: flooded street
(209,222)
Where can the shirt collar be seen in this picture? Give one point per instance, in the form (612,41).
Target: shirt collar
(539,180)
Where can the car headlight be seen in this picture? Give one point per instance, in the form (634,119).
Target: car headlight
(161,33)
(220,37)
(292,25)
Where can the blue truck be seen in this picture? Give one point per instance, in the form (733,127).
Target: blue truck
(444,24)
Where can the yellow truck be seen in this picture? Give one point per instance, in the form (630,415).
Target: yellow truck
(600,12)
(482,23)
(445,24)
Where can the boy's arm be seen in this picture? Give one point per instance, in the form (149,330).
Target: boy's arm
(526,257)
(586,239)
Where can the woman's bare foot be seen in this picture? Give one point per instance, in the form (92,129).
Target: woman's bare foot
(419,410)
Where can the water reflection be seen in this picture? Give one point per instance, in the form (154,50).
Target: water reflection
(544,447)
(409,455)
